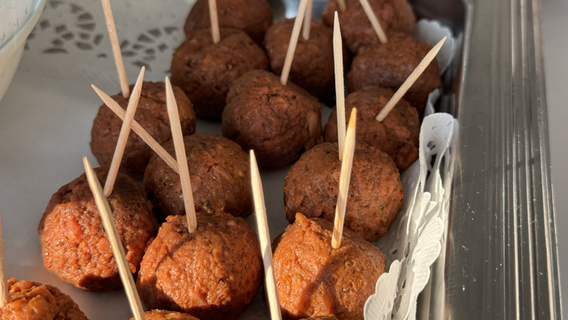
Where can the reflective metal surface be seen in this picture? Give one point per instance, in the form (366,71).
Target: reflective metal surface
(501,257)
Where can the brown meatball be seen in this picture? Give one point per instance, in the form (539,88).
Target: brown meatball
(213,273)
(251,16)
(321,318)
(375,191)
(74,243)
(278,122)
(166,315)
(205,71)
(356,29)
(390,65)
(219,173)
(313,279)
(32,300)
(312,67)
(152,115)
(397,135)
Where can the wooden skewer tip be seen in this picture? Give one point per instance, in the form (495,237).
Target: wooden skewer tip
(117,109)
(374,21)
(264,239)
(214,18)
(124,133)
(116,51)
(339,84)
(177,137)
(308,21)
(428,58)
(293,42)
(114,239)
(344,180)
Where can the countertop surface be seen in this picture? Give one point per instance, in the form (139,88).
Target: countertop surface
(554,17)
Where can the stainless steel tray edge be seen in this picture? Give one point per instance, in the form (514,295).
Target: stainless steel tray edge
(501,255)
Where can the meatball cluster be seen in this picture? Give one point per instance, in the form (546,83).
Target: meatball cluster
(205,71)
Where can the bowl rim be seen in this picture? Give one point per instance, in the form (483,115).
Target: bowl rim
(23,30)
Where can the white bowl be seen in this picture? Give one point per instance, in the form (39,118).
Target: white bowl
(17,19)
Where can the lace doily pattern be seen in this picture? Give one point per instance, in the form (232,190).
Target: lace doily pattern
(418,239)
(71,39)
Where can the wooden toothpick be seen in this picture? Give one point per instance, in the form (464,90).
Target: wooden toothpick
(177,136)
(117,109)
(264,238)
(374,21)
(344,179)
(293,42)
(410,80)
(214,21)
(4,279)
(124,133)
(112,234)
(341,5)
(308,21)
(339,84)
(116,48)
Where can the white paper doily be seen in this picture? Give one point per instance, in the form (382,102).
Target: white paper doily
(71,41)
(413,252)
